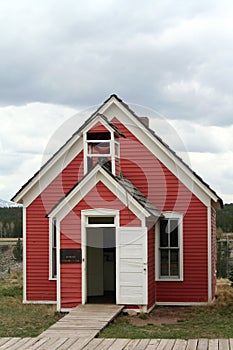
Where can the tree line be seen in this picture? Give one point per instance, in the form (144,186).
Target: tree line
(224,219)
(11,222)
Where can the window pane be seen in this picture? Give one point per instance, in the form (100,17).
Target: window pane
(174,262)
(54,263)
(95,148)
(92,220)
(164,233)
(98,136)
(164,262)
(54,237)
(173,233)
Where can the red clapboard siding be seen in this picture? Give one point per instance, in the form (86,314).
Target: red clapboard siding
(167,193)
(214,250)
(151,266)
(98,128)
(99,197)
(37,243)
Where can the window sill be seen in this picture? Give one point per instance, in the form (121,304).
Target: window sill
(169,279)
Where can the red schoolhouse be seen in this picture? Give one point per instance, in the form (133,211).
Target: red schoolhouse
(115,216)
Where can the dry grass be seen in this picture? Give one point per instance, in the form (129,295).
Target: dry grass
(224,294)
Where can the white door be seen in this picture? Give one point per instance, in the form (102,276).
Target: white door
(131,265)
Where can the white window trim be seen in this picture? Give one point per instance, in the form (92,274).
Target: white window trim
(51,278)
(112,153)
(170,215)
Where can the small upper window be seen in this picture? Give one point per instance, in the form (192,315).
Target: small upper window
(102,148)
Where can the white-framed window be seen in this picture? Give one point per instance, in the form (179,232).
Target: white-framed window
(52,249)
(102,148)
(169,247)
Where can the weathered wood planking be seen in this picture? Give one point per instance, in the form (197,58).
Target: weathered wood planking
(84,321)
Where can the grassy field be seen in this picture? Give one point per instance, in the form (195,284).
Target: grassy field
(213,321)
(18,320)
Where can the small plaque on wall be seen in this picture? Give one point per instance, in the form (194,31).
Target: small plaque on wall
(71,255)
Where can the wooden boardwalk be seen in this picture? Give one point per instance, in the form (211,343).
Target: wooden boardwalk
(78,329)
(84,321)
(76,343)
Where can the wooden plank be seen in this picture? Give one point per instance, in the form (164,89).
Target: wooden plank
(153,344)
(21,343)
(213,344)
(231,343)
(94,343)
(180,344)
(223,344)
(119,344)
(105,345)
(191,344)
(142,344)
(164,344)
(4,340)
(202,344)
(38,343)
(80,343)
(67,344)
(28,344)
(132,344)
(9,343)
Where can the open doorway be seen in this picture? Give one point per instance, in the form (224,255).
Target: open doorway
(101,264)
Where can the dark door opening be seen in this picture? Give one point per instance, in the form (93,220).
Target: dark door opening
(101,265)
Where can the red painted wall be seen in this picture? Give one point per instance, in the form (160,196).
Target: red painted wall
(37,243)
(214,250)
(151,266)
(71,276)
(167,193)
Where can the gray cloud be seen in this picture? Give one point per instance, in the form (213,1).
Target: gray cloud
(170,57)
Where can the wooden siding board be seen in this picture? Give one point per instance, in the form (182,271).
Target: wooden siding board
(151,266)
(213,251)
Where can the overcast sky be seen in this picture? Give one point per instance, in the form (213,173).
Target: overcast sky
(59,58)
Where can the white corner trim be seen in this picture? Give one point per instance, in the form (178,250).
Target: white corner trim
(50,249)
(209,253)
(24,253)
(58,268)
(170,215)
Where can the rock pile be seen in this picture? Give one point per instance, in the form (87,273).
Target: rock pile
(7,261)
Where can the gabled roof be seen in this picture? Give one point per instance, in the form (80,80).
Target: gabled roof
(121,187)
(166,152)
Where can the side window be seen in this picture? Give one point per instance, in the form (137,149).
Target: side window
(169,248)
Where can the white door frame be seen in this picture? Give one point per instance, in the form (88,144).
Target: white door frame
(84,225)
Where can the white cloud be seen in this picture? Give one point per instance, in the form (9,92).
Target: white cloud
(176,57)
